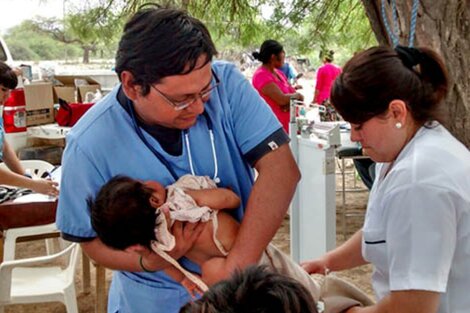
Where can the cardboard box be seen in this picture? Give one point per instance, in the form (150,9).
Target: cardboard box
(39,103)
(71,93)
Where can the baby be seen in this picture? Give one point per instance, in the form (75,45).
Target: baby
(128,213)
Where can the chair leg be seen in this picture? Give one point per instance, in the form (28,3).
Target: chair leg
(9,247)
(70,300)
(86,279)
(343,194)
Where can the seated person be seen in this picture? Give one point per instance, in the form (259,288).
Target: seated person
(15,175)
(255,290)
(136,216)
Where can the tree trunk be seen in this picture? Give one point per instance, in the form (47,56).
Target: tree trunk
(445,27)
(86,54)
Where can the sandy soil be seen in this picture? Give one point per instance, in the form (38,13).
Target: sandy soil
(359,276)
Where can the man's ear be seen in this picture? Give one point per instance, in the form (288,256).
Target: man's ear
(137,248)
(131,90)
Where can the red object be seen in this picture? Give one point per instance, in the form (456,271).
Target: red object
(14,112)
(69,113)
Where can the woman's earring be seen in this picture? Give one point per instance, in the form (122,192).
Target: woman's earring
(398,125)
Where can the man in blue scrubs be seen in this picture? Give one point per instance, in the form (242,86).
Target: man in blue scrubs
(175,112)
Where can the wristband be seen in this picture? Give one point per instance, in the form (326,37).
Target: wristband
(141,262)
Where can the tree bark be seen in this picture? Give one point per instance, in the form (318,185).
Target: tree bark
(445,27)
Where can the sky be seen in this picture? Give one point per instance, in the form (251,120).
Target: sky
(15,11)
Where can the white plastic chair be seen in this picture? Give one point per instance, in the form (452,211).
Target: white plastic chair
(37,169)
(27,281)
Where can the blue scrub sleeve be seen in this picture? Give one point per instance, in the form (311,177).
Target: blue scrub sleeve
(253,121)
(80,180)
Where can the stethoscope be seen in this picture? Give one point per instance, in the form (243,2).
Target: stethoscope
(164,161)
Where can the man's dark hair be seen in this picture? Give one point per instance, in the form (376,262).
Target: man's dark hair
(255,290)
(8,78)
(159,42)
(121,213)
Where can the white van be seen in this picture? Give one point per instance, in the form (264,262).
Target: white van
(5,55)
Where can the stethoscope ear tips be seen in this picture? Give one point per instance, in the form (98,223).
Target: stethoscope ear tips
(217,180)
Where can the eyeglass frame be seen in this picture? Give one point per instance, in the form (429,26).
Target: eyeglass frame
(178,106)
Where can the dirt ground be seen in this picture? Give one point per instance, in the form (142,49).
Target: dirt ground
(355,201)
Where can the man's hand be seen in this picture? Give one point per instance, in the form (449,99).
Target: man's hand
(186,235)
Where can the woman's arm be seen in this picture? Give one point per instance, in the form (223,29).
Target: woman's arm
(272,91)
(11,160)
(407,301)
(15,175)
(346,256)
(216,199)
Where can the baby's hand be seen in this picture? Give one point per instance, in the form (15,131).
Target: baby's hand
(191,287)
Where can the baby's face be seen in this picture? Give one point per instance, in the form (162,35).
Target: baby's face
(159,193)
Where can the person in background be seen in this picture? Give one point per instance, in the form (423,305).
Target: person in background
(272,84)
(417,229)
(255,290)
(366,170)
(176,112)
(15,176)
(326,75)
(288,70)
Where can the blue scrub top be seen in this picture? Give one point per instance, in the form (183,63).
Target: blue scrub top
(104,143)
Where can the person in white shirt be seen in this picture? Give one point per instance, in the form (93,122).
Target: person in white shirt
(417,227)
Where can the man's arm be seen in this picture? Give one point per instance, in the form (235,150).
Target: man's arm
(267,205)
(185,234)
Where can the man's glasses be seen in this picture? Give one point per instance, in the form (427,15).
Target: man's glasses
(181,105)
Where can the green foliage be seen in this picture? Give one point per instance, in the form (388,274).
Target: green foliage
(26,43)
(304,27)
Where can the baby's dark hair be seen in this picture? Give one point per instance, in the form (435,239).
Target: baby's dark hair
(255,290)
(121,213)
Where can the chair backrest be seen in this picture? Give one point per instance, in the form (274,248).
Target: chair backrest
(6,269)
(37,167)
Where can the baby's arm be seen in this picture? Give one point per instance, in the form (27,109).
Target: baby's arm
(179,277)
(216,199)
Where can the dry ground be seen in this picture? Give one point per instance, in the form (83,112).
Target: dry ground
(359,276)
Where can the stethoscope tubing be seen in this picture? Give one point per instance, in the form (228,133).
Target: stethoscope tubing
(186,138)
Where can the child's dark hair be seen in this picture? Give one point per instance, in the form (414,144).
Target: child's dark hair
(121,213)
(255,290)
(375,77)
(8,77)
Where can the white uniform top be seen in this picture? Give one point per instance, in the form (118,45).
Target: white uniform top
(417,227)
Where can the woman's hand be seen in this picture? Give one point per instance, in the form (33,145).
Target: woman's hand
(317,266)
(298,96)
(45,186)
(186,235)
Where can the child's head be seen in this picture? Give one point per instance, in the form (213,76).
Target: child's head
(255,290)
(124,212)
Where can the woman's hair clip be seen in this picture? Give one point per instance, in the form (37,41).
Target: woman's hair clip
(409,56)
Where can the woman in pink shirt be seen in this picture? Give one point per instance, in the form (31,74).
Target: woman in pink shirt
(271,83)
(326,75)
